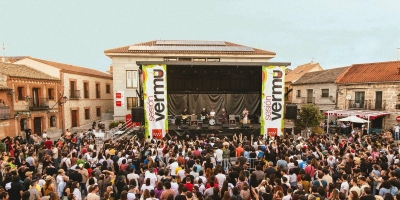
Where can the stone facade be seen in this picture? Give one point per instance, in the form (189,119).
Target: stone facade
(105,102)
(390,100)
(324,103)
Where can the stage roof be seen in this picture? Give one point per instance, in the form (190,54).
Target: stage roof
(193,63)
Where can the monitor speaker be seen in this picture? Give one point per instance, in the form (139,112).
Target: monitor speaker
(185,126)
(204,126)
(137,114)
(246,125)
(291,111)
(178,120)
(225,125)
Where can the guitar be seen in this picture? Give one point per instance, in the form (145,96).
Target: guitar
(185,116)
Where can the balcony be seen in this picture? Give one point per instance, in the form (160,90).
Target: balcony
(308,100)
(75,94)
(38,103)
(370,104)
(5,112)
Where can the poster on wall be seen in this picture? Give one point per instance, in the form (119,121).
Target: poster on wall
(119,98)
(155,100)
(272,104)
(132,79)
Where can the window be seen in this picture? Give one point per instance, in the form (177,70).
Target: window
(21,93)
(324,92)
(132,102)
(87,113)
(359,99)
(108,88)
(298,93)
(212,59)
(53,121)
(131,79)
(199,59)
(98,111)
(170,59)
(86,90)
(98,90)
(50,93)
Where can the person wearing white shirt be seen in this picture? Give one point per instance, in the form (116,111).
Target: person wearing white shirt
(133,175)
(173,167)
(203,178)
(131,194)
(396,132)
(175,187)
(344,187)
(152,177)
(218,155)
(289,194)
(221,178)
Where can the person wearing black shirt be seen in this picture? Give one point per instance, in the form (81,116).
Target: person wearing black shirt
(16,189)
(216,196)
(367,194)
(182,195)
(204,115)
(75,175)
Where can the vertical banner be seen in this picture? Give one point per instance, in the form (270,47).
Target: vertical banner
(272,104)
(155,100)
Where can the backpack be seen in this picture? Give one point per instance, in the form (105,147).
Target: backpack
(260,154)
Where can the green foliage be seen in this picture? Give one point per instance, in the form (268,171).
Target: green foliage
(318,130)
(309,116)
(114,124)
(2,147)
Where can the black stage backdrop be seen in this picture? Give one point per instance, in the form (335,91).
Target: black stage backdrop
(233,103)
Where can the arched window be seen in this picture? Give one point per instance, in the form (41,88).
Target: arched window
(53,121)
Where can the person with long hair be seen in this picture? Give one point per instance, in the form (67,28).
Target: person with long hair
(353,195)
(124,195)
(334,195)
(75,190)
(145,195)
(158,191)
(48,186)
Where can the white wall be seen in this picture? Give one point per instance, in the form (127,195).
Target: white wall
(52,71)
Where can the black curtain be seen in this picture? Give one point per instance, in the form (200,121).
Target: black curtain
(233,103)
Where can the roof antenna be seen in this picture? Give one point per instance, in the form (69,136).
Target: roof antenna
(4,54)
(312,61)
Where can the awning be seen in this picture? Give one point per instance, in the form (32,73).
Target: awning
(373,114)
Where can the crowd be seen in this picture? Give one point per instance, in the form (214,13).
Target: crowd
(320,167)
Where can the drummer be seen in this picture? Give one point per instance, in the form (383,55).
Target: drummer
(212,114)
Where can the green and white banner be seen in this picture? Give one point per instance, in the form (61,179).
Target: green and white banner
(272,101)
(155,100)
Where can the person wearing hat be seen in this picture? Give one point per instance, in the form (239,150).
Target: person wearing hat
(34,193)
(84,172)
(27,180)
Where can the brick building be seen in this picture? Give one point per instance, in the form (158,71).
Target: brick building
(89,92)
(28,99)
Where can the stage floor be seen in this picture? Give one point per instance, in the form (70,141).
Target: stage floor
(218,130)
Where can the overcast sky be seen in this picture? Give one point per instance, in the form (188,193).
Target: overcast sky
(334,33)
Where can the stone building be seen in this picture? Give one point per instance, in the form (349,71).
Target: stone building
(371,88)
(28,99)
(89,91)
(125,70)
(296,74)
(318,87)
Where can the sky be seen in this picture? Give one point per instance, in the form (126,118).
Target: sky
(333,33)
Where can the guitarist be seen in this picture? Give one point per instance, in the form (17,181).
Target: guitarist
(185,115)
(204,115)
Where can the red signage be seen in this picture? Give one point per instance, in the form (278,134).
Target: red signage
(118,103)
(157,133)
(272,132)
(398,118)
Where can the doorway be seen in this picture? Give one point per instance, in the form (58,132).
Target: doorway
(378,100)
(74,118)
(35,97)
(310,96)
(37,125)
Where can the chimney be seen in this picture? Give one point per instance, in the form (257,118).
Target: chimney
(3,59)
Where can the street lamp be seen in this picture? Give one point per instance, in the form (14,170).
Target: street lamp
(63,100)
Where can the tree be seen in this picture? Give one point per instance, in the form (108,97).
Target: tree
(309,116)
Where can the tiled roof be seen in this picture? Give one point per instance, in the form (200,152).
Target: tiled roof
(300,71)
(125,49)
(22,71)
(323,76)
(72,68)
(13,59)
(371,72)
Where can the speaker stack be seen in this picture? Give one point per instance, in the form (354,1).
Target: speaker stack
(137,114)
(291,111)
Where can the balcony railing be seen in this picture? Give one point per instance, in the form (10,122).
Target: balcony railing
(370,104)
(38,103)
(307,99)
(5,112)
(75,94)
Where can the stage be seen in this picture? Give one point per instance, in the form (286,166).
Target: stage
(217,130)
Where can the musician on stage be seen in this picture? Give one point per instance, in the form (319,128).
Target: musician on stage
(245,115)
(185,115)
(204,115)
(212,114)
(223,116)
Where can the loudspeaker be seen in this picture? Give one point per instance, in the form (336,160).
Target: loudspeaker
(246,125)
(291,111)
(137,114)
(204,126)
(225,125)
(178,120)
(185,126)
